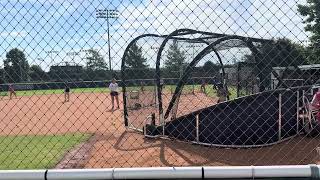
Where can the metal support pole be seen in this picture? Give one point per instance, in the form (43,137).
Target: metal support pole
(238,80)
(163,124)
(197,128)
(303,95)
(280,117)
(106,14)
(193,84)
(109,53)
(298,99)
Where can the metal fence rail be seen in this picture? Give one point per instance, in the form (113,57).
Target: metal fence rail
(244,172)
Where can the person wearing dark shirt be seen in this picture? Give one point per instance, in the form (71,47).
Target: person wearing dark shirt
(66,93)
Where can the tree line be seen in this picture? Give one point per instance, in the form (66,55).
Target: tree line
(17,69)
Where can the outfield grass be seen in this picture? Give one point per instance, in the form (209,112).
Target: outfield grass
(36,152)
(168,88)
(209,90)
(213,93)
(61,91)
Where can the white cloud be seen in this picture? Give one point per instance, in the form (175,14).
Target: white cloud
(13,34)
(266,19)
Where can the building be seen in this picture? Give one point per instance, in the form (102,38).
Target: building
(233,75)
(67,72)
(293,76)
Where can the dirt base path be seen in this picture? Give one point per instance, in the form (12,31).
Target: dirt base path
(130,149)
(47,114)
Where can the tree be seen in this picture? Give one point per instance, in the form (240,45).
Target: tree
(135,59)
(210,69)
(136,64)
(16,66)
(175,59)
(37,74)
(95,61)
(2,80)
(281,53)
(312,13)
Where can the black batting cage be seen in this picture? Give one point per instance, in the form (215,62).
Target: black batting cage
(229,103)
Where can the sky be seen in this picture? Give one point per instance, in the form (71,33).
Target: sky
(39,27)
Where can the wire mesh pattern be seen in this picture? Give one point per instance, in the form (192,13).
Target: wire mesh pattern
(98,84)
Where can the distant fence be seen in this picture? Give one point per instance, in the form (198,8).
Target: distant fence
(100,84)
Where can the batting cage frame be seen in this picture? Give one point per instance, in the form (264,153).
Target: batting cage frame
(214,43)
(196,126)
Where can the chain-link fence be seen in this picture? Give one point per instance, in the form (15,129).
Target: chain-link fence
(99,84)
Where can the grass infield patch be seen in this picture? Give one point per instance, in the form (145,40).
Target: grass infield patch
(36,151)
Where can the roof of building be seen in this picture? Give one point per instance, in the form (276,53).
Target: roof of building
(302,67)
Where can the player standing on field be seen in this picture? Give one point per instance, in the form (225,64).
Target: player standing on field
(11,91)
(66,93)
(222,93)
(203,87)
(114,92)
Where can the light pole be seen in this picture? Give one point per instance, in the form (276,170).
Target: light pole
(73,54)
(86,51)
(193,46)
(50,53)
(107,14)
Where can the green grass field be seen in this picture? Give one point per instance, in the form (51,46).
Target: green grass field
(58,91)
(213,93)
(36,152)
(210,91)
(168,88)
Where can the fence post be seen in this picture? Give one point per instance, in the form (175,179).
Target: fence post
(280,116)
(193,86)
(197,128)
(303,94)
(163,123)
(298,100)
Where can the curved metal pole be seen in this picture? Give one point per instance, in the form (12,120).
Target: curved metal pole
(223,76)
(223,71)
(195,61)
(222,67)
(177,32)
(123,78)
(158,73)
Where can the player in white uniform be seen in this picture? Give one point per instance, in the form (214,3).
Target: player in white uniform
(114,92)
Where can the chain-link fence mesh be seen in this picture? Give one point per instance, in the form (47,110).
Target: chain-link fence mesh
(96,84)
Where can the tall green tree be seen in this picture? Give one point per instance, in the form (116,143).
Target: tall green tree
(135,59)
(311,12)
(95,61)
(2,78)
(16,66)
(37,74)
(136,64)
(209,66)
(281,53)
(210,69)
(175,59)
